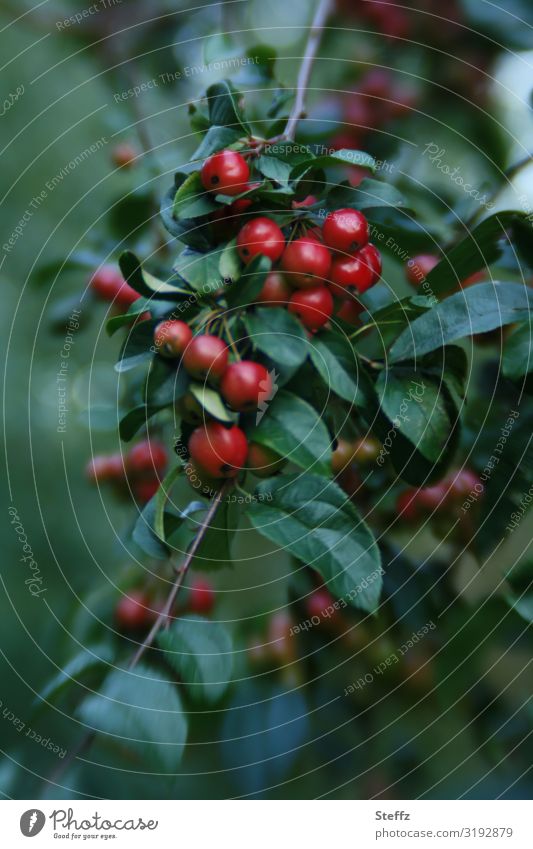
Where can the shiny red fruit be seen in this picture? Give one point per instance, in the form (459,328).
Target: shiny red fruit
(352,271)
(245,384)
(417,268)
(346,230)
(134,611)
(432,497)
(201,596)
(148,457)
(172,337)
(372,257)
(217,450)
(313,307)
(260,236)
(108,284)
(225,173)
(263,462)
(306,262)
(206,357)
(275,292)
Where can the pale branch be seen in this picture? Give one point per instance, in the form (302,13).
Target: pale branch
(322,13)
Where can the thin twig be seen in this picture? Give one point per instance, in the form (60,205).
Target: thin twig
(322,13)
(180,576)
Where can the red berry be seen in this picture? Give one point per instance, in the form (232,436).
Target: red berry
(352,271)
(319,602)
(172,337)
(201,596)
(432,497)
(225,173)
(462,483)
(349,311)
(104,468)
(260,236)
(306,262)
(372,257)
(109,285)
(245,385)
(275,290)
(346,230)
(218,451)
(206,357)
(377,82)
(134,611)
(263,462)
(313,306)
(302,204)
(123,155)
(145,490)
(417,268)
(407,505)
(148,457)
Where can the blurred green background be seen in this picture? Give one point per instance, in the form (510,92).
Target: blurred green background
(69,80)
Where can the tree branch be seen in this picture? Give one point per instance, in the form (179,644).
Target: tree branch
(180,576)
(322,13)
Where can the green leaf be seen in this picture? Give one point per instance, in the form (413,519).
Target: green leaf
(313,519)
(274,169)
(216,138)
(200,270)
(230,265)
(250,282)
(367,195)
(518,354)
(294,429)
(136,347)
(142,712)
(143,282)
(211,402)
(191,199)
(136,309)
(224,108)
(201,652)
(169,521)
(482,246)
(278,334)
(93,659)
(419,408)
(165,383)
(339,157)
(187,231)
(336,362)
(135,419)
(476,309)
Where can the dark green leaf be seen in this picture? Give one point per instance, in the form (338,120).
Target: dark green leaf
(83,665)
(476,309)
(145,283)
(313,519)
(250,282)
(481,247)
(224,107)
(335,360)
(518,353)
(368,195)
(192,200)
(211,402)
(230,264)
(339,157)
(141,712)
(294,429)
(278,334)
(136,347)
(200,270)
(216,138)
(201,652)
(136,418)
